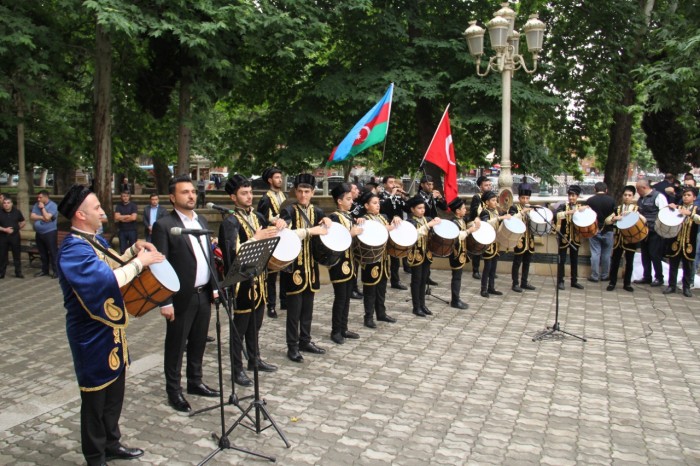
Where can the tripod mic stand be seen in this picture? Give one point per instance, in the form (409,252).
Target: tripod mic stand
(555,329)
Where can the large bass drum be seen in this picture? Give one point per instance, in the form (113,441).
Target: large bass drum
(328,249)
(150,289)
(287,250)
(401,240)
(370,244)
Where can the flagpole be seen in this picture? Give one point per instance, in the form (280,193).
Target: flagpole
(435,134)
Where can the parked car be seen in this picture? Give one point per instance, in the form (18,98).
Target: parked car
(4,178)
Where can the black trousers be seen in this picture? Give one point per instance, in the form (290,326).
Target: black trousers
(476,261)
(188,330)
(395,264)
(488,276)
(419,281)
(300,313)
(615,265)
(375,298)
(573,259)
(99,420)
(341,306)
(688,275)
(46,244)
(272,291)
(248,327)
(10,243)
(456,284)
(518,259)
(652,249)
(126,239)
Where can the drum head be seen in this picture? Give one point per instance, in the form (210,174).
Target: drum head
(627,220)
(670,217)
(486,234)
(541,215)
(289,246)
(404,235)
(165,273)
(373,233)
(447,229)
(584,218)
(338,238)
(515,225)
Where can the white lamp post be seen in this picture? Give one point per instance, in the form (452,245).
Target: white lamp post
(505,42)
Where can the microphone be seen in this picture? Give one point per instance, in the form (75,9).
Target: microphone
(223,210)
(177,231)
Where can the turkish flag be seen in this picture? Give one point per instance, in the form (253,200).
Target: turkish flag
(441,153)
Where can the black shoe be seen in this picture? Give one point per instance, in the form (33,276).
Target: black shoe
(560,285)
(241,378)
(202,390)
(669,290)
(294,355)
(2,276)
(262,366)
(52,275)
(527,286)
(484,293)
(179,403)
(337,338)
(577,285)
(311,347)
(610,287)
(476,275)
(399,286)
(426,311)
(419,312)
(495,292)
(41,274)
(356,295)
(643,281)
(517,289)
(387,318)
(593,280)
(370,323)
(495,276)
(123,453)
(432,282)
(271,313)
(628,288)
(19,275)
(350,334)
(687,293)
(210,339)
(657,282)
(459,304)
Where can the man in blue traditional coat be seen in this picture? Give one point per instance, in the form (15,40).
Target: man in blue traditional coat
(91,275)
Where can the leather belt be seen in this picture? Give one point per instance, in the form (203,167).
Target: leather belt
(201,289)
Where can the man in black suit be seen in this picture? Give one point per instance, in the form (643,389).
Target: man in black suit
(188,311)
(151,213)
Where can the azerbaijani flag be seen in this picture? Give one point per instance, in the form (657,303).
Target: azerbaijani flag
(370,130)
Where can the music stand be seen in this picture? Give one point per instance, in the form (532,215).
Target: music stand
(550,332)
(251,260)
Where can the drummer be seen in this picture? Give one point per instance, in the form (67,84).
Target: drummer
(458,257)
(242,226)
(392,200)
(681,250)
(620,247)
(571,240)
(344,271)
(374,276)
(302,282)
(475,207)
(491,215)
(419,257)
(523,251)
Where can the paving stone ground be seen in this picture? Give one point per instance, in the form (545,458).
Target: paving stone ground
(461,387)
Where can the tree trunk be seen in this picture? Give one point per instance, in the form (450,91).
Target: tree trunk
(184,130)
(162,175)
(426,130)
(22,185)
(617,165)
(103,121)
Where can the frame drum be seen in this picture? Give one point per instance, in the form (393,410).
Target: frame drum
(669,222)
(442,238)
(540,221)
(509,232)
(369,245)
(401,240)
(287,249)
(154,285)
(585,222)
(328,249)
(481,239)
(633,227)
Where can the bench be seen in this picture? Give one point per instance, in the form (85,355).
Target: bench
(33,251)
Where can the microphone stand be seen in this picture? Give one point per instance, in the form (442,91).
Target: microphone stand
(550,332)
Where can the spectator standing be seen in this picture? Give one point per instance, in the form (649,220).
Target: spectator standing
(152,212)
(601,243)
(125,215)
(11,221)
(45,217)
(652,247)
(201,192)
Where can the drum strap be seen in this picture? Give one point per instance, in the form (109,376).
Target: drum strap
(97,245)
(304,216)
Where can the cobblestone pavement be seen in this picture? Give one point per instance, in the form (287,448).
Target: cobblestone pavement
(461,387)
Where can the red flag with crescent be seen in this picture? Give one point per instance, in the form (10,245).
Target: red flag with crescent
(441,153)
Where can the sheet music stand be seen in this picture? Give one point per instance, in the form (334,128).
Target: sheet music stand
(251,260)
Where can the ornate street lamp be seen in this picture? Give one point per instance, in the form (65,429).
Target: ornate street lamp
(505,41)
